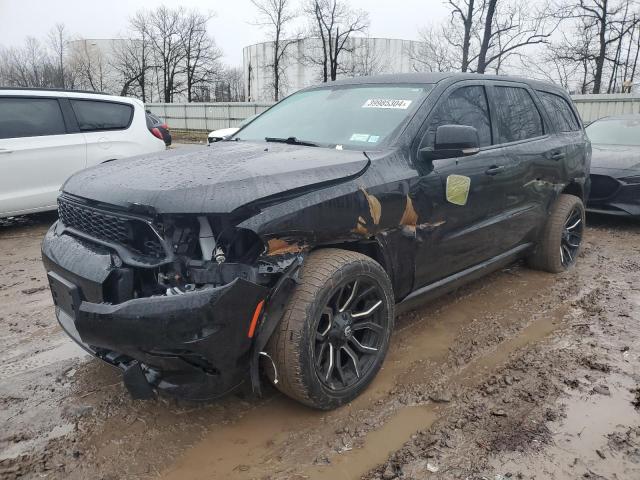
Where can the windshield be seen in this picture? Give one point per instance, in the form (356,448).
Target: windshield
(615,131)
(352,116)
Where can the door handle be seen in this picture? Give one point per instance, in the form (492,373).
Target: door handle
(557,155)
(494,169)
(3,150)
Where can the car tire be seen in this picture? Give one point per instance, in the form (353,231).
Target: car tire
(561,239)
(322,355)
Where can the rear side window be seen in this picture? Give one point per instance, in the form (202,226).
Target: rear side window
(465,106)
(517,116)
(30,117)
(560,113)
(96,115)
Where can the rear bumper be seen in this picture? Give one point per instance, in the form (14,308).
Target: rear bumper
(193,345)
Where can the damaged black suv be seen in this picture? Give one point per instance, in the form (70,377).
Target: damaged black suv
(285,251)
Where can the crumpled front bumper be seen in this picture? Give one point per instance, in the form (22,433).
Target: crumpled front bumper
(194,345)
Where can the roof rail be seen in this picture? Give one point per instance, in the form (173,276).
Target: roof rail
(67,90)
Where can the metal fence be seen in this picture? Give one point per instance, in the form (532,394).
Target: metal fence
(593,107)
(205,117)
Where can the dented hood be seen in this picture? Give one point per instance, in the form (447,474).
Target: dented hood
(216,179)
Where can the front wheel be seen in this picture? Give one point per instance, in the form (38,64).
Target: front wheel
(561,239)
(335,331)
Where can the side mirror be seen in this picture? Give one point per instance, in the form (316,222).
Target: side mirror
(452,141)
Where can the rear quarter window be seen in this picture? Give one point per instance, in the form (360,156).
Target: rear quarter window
(560,113)
(94,115)
(30,117)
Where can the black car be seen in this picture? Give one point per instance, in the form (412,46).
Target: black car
(287,250)
(615,167)
(159,128)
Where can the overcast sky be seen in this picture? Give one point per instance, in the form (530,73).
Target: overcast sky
(231,27)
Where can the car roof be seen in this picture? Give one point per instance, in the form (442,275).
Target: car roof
(436,77)
(48,92)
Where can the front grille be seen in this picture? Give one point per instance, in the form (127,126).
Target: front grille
(135,234)
(95,223)
(603,187)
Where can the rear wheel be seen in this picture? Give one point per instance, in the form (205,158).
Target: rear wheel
(335,331)
(561,239)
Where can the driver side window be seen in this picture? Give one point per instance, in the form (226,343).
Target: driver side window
(465,106)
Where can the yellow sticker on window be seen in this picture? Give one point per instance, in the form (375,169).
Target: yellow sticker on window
(458,189)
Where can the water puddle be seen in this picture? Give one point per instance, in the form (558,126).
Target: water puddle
(585,436)
(379,445)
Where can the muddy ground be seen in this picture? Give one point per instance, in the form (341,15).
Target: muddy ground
(519,375)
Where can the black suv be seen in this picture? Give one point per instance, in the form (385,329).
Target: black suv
(286,250)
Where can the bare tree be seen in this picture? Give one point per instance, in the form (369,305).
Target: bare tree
(467,13)
(605,21)
(90,66)
(134,58)
(635,61)
(334,23)
(551,66)
(164,34)
(201,55)
(233,77)
(508,28)
(58,41)
(366,59)
(131,63)
(276,16)
(434,52)
(28,66)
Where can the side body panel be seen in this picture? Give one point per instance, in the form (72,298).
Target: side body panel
(33,168)
(115,144)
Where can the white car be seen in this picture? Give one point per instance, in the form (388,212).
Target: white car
(46,135)
(224,133)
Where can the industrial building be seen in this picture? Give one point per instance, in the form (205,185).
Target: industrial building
(301,68)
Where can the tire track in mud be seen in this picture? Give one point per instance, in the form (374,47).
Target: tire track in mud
(283,438)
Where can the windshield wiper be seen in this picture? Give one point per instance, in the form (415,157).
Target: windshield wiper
(291,141)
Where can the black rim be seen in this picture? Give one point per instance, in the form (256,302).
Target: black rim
(350,333)
(571,236)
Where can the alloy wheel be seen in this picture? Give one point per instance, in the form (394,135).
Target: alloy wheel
(349,333)
(571,236)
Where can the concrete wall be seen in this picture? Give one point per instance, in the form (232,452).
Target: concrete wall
(212,116)
(205,116)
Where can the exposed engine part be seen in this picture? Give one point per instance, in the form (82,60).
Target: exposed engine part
(207,240)
(275,370)
(220,255)
(190,287)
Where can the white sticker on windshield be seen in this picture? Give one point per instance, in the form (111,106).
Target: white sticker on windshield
(374,138)
(386,103)
(359,137)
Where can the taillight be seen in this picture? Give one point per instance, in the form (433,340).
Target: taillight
(156,133)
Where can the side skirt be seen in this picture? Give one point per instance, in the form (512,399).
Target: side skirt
(456,280)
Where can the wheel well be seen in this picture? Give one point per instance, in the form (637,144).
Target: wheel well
(369,248)
(574,188)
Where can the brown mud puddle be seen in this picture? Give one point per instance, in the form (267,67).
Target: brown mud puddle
(282,438)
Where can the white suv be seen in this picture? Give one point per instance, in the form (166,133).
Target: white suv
(46,135)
